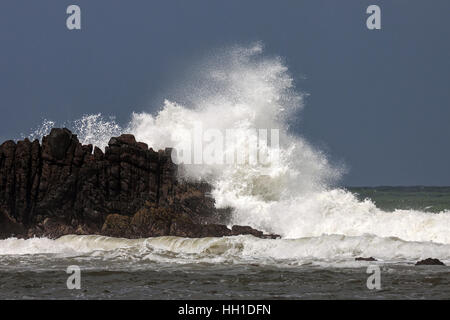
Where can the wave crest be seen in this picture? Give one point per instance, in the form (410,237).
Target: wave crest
(294,197)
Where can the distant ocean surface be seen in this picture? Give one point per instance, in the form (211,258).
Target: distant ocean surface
(241,267)
(419,198)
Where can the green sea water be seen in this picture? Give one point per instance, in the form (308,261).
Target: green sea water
(245,267)
(420,198)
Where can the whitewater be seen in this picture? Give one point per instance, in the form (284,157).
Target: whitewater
(296,196)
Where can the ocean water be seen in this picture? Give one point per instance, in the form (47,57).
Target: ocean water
(297,195)
(242,267)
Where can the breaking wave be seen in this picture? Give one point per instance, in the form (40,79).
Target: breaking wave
(334,249)
(296,197)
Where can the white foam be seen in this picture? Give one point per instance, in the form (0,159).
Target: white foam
(335,249)
(241,88)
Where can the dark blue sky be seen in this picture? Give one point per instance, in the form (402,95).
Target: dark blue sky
(379,100)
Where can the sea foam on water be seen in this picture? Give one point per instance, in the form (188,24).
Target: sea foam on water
(294,196)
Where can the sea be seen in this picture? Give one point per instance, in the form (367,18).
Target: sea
(297,193)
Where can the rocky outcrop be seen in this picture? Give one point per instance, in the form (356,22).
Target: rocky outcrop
(365,259)
(63,187)
(150,221)
(430,262)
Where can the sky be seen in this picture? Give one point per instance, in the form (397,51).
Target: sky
(378,100)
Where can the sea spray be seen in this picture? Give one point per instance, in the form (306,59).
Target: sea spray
(241,88)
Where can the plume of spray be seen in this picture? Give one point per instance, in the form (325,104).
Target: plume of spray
(241,88)
(92,129)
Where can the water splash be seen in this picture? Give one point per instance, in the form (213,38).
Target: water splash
(96,130)
(40,131)
(241,88)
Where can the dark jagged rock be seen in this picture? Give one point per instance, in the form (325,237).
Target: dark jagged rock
(150,221)
(10,227)
(365,259)
(238,230)
(116,225)
(430,262)
(62,187)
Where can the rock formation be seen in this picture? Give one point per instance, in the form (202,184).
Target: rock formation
(365,259)
(430,262)
(62,187)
